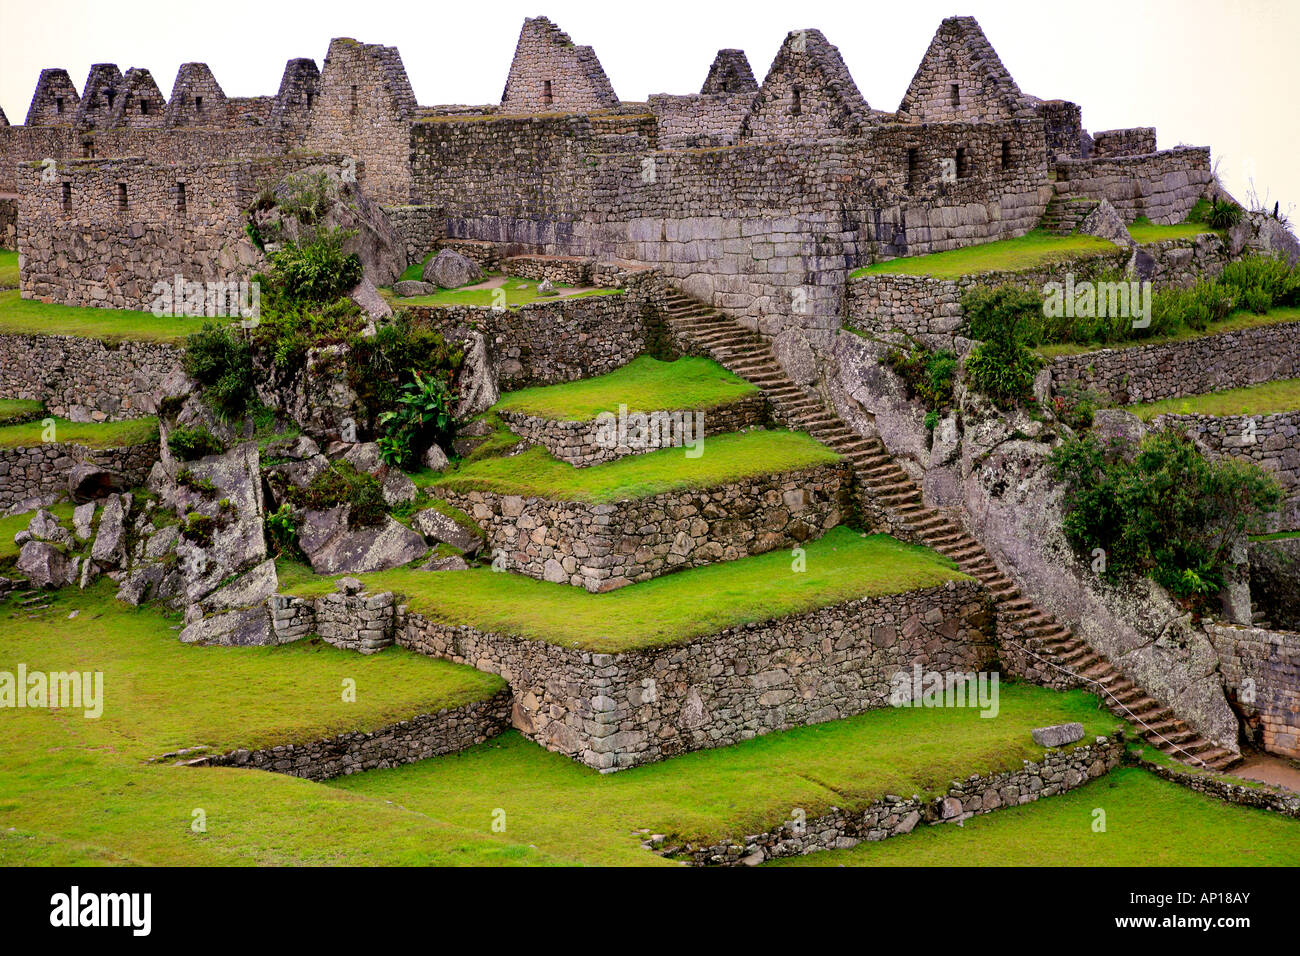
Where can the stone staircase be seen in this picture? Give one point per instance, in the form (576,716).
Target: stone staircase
(1259,618)
(888,492)
(1064,216)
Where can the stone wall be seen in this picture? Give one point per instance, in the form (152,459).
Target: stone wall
(1059,771)
(1137,141)
(1270,662)
(420,228)
(550,74)
(9,222)
(102,233)
(449,730)
(545,343)
(606,546)
(923,305)
(83,379)
(613,711)
(699,119)
(348,618)
(1270,441)
(1275,581)
(41,470)
(961,78)
(581,443)
(1161,186)
(1146,373)
(1260,796)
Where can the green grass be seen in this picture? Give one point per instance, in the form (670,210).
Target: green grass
(77,790)
(1275,536)
(1237,322)
(27,316)
(1145,231)
(726,457)
(644,385)
(842,565)
(567,809)
(1149,822)
(133,431)
(1030,251)
(8,269)
(518,292)
(12,525)
(1264,399)
(12,408)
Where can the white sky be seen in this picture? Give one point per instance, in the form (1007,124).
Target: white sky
(1221,73)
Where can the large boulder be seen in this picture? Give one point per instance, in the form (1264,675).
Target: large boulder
(241,628)
(43,564)
(436,526)
(1105,222)
(410,287)
(333,547)
(450,270)
(477,384)
(334,201)
(109,549)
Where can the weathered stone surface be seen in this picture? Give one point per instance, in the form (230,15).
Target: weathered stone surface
(249,589)
(241,628)
(435,525)
(109,549)
(411,287)
(396,487)
(368,299)
(435,459)
(88,481)
(450,270)
(334,548)
(478,388)
(43,564)
(1058,735)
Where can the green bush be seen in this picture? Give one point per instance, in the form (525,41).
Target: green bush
(1160,508)
(1002,366)
(341,484)
(422,417)
(315,269)
(218,358)
(381,368)
(928,375)
(1223,214)
(188,443)
(281,531)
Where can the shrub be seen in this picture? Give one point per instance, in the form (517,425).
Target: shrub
(188,443)
(281,530)
(380,368)
(315,269)
(1160,508)
(218,358)
(1223,214)
(341,484)
(1075,406)
(1002,366)
(928,374)
(422,417)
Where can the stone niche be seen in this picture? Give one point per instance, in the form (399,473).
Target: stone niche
(613,711)
(601,547)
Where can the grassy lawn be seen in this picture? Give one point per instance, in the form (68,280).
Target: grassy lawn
(1236,322)
(8,269)
(518,292)
(1145,231)
(1030,251)
(1275,536)
(566,809)
(842,565)
(14,408)
(1149,822)
(133,431)
(725,457)
(1265,399)
(644,385)
(27,316)
(12,525)
(77,790)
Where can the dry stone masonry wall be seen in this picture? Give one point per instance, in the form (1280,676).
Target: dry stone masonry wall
(43,470)
(1261,668)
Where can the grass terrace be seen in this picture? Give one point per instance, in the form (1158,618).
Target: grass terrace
(134,431)
(843,565)
(728,457)
(11,525)
(8,269)
(1265,399)
(709,795)
(18,409)
(80,791)
(1236,322)
(644,385)
(1030,251)
(19,316)
(1145,231)
(1275,536)
(483,294)
(1149,822)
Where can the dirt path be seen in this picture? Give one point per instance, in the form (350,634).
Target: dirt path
(1269,769)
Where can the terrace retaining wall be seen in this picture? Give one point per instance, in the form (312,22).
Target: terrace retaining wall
(605,546)
(1147,373)
(1162,186)
(1270,662)
(41,470)
(1270,441)
(449,730)
(1060,771)
(582,443)
(613,711)
(84,379)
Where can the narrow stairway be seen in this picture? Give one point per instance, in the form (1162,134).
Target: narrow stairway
(703,330)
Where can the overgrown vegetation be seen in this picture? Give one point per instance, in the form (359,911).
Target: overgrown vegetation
(1002,366)
(189,442)
(1159,508)
(380,369)
(219,359)
(341,484)
(423,417)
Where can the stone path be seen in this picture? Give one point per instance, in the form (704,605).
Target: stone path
(886,486)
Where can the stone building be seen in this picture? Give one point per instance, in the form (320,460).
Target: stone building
(550,74)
